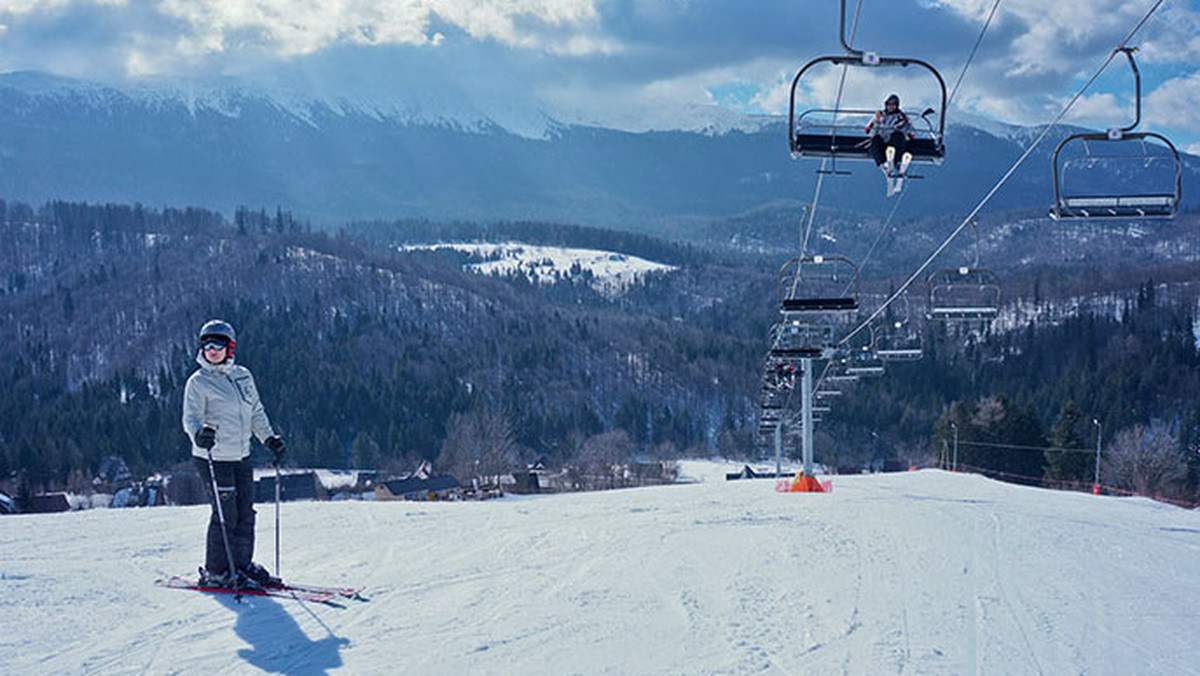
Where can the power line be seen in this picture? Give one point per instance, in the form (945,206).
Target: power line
(1019,447)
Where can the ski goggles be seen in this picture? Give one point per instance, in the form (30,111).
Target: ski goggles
(214,345)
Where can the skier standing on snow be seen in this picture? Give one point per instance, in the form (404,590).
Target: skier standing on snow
(221,410)
(890,133)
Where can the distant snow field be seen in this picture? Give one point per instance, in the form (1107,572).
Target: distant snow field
(612,273)
(921,572)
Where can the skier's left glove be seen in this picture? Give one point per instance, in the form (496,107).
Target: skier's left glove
(275,445)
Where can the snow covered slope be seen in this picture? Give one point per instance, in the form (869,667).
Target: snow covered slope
(610,273)
(923,572)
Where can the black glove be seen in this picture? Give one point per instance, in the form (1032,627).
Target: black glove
(275,445)
(206,438)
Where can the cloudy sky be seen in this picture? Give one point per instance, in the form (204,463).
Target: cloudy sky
(625,61)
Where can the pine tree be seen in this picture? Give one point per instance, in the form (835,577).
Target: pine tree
(1065,461)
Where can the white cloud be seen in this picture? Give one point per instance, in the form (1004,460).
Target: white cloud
(866,88)
(1099,110)
(1174,104)
(1065,35)
(16,8)
(1193,149)
(296,27)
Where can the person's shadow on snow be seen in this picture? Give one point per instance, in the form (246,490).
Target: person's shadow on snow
(277,643)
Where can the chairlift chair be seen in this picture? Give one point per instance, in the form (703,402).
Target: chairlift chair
(796,339)
(858,356)
(963,294)
(837,375)
(827,133)
(1161,202)
(899,339)
(867,365)
(818,284)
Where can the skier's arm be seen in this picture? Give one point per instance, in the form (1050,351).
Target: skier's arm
(193,409)
(872,122)
(259,424)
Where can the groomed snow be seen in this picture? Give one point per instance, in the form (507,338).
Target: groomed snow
(920,572)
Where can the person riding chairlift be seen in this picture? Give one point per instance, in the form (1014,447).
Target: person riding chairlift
(890,131)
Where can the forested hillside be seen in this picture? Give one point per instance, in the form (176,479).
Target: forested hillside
(368,355)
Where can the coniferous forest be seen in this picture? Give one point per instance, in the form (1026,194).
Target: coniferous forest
(371,355)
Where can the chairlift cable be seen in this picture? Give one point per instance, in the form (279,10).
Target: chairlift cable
(953,92)
(837,105)
(972,54)
(1007,175)
(812,212)
(879,237)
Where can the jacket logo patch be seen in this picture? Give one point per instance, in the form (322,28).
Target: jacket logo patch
(245,388)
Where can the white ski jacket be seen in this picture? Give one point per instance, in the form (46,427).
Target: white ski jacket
(223,397)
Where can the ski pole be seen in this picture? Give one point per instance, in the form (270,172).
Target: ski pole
(277,573)
(216,493)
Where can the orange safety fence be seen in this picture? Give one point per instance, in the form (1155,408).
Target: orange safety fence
(1081,486)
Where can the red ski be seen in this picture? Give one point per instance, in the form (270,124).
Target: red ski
(327,597)
(343,592)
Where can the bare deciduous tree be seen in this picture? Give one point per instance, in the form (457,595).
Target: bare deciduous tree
(1146,459)
(602,454)
(478,443)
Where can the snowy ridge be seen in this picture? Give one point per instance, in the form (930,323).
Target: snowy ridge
(608,272)
(408,107)
(917,572)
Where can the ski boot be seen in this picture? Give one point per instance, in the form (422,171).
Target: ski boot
(215,580)
(260,575)
(887,176)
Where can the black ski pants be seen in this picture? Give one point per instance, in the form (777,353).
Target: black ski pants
(235,486)
(896,139)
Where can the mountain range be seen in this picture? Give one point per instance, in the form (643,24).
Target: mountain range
(332,160)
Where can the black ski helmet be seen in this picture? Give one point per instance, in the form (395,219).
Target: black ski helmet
(893,99)
(220,330)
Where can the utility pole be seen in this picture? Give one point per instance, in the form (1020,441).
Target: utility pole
(954,466)
(778,434)
(1096,481)
(806,431)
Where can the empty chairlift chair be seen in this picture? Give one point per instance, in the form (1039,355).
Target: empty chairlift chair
(859,358)
(798,339)
(1118,173)
(812,285)
(963,295)
(898,338)
(864,364)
